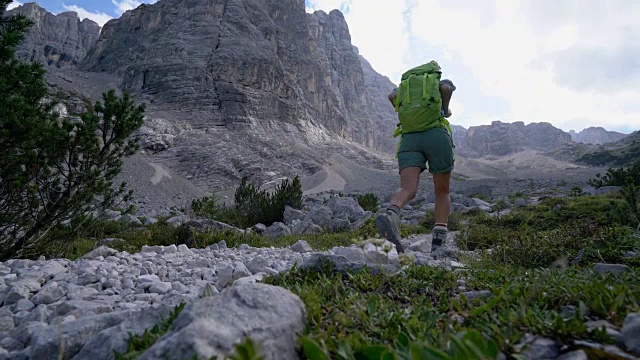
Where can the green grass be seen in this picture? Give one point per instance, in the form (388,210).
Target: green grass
(360,310)
(420,312)
(75,245)
(137,344)
(578,230)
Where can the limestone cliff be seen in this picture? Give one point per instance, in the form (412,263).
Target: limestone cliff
(256,86)
(596,135)
(55,40)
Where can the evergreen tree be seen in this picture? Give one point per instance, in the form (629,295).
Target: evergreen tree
(54,170)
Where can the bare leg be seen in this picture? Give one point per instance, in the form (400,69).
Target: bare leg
(409,181)
(443,200)
(388,221)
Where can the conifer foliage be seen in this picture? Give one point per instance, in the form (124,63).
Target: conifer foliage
(54,170)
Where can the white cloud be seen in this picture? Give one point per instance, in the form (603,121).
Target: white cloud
(100,18)
(511,60)
(14,5)
(506,57)
(124,5)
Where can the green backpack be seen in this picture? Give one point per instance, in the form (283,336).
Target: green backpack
(418,101)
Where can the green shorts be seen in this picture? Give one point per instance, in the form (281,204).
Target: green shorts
(433,146)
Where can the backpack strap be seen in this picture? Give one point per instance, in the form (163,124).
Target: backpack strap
(425,77)
(397,133)
(406,85)
(447,125)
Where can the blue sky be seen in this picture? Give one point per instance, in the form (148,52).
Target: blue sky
(573,63)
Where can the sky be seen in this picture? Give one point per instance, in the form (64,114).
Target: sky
(572,63)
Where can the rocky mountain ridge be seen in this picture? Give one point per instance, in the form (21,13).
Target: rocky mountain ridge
(500,138)
(265,90)
(624,152)
(596,135)
(55,40)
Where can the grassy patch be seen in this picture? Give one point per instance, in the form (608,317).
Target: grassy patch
(423,312)
(137,344)
(578,230)
(369,202)
(360,311)
(73,246)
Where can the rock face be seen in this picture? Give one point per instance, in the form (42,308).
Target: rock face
(56,40)
(596,135)
(257,82)
(505,138)
(271,316)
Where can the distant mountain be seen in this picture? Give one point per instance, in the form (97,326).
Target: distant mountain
(620,153)
(596,135)
(55,40)
(506,138)
(237,88)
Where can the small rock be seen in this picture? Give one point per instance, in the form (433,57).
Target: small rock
(6,320)
(177,221)
(24,305)
(319,215)
(10,344)
(421,246)
(631,333)
(339,224)
(148,279)
(291,214)
(541,348)
(301,246)
(574,355)
(100,251)
(567,311)
(520,202)
(48,296)
(610,329)
(171,249)
(610,351)
(183,249)
(259,228)
(130,219)
(276,230)
(611,268)
(345,207)
(209,326)
(107,241)
(471,295)
(160,288)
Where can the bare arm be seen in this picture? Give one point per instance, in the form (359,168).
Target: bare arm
(446,91)
(392,97)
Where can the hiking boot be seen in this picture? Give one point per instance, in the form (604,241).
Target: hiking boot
(388,224)
(439,237)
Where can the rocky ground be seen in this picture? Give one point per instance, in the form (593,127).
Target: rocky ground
(85,308)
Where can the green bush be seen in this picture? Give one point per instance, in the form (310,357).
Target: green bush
(252,205)
(617,177)
(54,168)
(369,202)
(578,230)
(260,206)
(212,208)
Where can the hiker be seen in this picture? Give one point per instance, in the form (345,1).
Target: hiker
(422,103)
